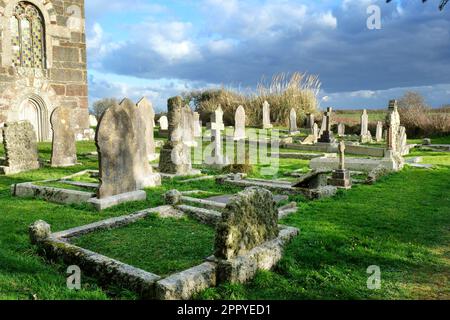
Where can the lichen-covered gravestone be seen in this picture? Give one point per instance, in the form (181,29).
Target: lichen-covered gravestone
(249,219)
(175,154)
(239,124)
(197,125)
(147,115)
(123,162)
(187,124)
(64,150)
(20,143)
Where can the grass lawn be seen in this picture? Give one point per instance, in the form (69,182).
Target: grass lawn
(186,244)
(400,224)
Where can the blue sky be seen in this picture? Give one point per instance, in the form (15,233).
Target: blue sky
(163,48)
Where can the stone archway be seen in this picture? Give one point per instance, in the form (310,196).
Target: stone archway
(35,111)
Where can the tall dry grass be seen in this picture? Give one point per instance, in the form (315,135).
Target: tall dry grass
(282,92)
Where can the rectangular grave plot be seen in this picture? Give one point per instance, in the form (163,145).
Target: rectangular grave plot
(156,245)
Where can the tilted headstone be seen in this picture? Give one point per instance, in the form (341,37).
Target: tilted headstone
(248,220)
(175,156)
(379,133)
(163,123)
(341,129)
(20,143)
(239,123)
(266,116)
(366,136)
(293,121)
(123,159)
(197,125)
(147,115)
(64,150)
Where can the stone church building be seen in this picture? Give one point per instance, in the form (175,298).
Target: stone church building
(43,63)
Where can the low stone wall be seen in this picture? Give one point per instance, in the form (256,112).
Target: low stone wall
(353,164)
(56,195)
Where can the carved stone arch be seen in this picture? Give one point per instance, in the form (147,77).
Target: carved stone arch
(48,13)
(34,109)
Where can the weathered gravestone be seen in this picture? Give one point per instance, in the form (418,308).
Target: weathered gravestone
(379,133)
(147,115)
(175,156)
(239,124)
(293,122)
(92,121)
(249,219)
(20,143)
(310,119)
(266,116)
(366,136)
(327,134)
(403,142)
(393,159)
(123,159)
(187,124)
(341,130)
(163,123)
(64,150)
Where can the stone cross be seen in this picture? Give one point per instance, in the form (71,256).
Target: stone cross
(366,136)
(293,121)
(147,115)
(20,143)
(217,126)
(239,124)
(266,116)
(64,150)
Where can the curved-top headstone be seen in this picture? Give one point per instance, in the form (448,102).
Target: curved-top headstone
(64,150)
(249,219)
(239,123)
(163,123)
(123,161)
(148,116)
(20,143)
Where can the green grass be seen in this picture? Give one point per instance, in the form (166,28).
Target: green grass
(400,224)
(160,246)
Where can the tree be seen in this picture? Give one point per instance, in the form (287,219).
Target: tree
(441,6)
(100,106)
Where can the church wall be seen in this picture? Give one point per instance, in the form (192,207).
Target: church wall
(63,81)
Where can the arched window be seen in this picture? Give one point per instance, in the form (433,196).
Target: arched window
(27,28)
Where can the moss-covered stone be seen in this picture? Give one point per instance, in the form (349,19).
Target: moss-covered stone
(249,219)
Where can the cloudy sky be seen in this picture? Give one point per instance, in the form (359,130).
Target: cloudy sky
(160,48)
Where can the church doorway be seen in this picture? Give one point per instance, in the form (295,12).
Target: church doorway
(34,110)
